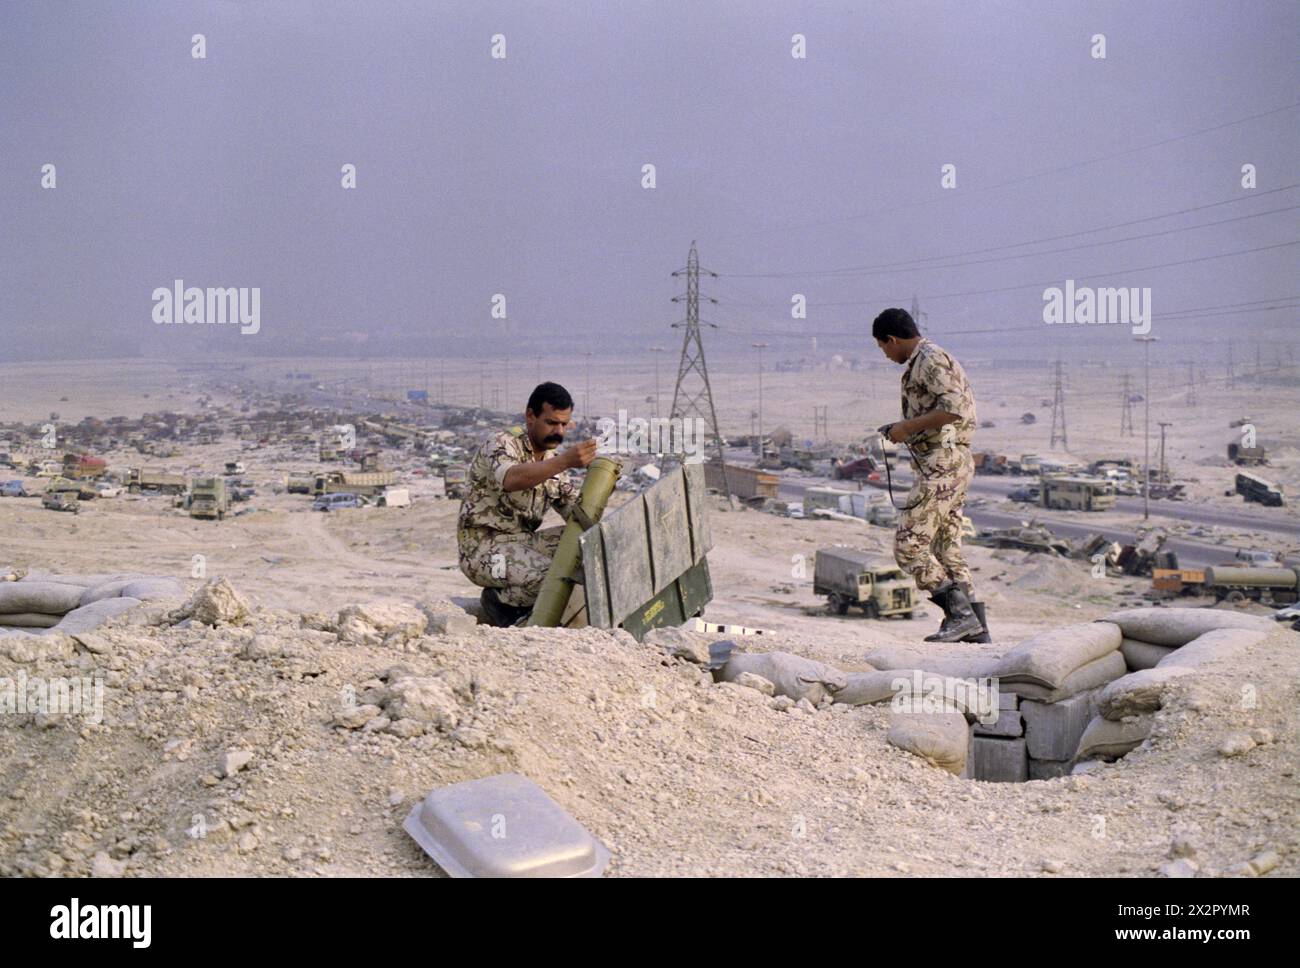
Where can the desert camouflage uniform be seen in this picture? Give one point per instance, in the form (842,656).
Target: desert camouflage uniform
(500,544)
(927,544)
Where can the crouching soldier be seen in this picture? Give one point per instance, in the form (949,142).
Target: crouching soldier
(512,481)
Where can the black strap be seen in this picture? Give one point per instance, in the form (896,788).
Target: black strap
(576,513)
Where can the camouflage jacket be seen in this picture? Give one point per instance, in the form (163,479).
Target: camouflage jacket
(488,509)
(933,380)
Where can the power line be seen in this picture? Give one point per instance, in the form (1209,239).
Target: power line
(1052,282)
(689,399)
(1177,315)
(966,193)
(908,267)
(1126,414)
(1058,410)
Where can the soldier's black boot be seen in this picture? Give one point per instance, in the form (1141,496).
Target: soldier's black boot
(498,613)
(959,619)
(982,635)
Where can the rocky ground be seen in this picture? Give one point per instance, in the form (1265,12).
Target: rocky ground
(284,744)
(294,739)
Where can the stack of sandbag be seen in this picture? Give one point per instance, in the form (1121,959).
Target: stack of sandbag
(38,604)
(1151,634)
(1179,640)
(904,659)
(930,712)
(1061,663)
(41,602)
(790,675)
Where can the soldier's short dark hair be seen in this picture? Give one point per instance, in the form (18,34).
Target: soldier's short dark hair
(894,322)
(551,393)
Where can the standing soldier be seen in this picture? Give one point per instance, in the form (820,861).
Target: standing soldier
(512,481)
(937,426)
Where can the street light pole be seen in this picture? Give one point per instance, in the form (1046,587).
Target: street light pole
(761,451)
(1146,342)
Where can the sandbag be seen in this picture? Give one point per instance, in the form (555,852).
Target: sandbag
(149,589)
(968,667)
(29,620)
(45,597)
(82,581)
(791,675)
(1142,655)
(1216,644)
(1048,658)
(865,688)
(942,739)
(1138,692)
(1178,626)
(912,690)
(107,589)
(95,614)
(1109,739)
(1096,673)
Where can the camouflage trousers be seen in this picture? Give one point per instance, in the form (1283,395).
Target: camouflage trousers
(515,564)
(927,544)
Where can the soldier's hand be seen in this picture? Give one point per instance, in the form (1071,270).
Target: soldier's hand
(582,454)
(894,432)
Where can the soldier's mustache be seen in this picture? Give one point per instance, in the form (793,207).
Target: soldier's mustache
(553,439)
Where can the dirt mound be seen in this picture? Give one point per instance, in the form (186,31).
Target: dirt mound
(275,748)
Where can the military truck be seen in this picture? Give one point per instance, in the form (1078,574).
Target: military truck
(208,498)
(455,482)
(1255,488)
(61,501)
(848,577)
(829,498)
(747,483)
(78,466)
(335,439)
(1245,456)
(1234,584)
(1077,493)
(353,482)
(161,482)
(83,490)
(872,506)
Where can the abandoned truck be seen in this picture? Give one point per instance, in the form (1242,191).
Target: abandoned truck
(848,577)
(1275,586)
(1077,493)
(1255,488)
(208,498)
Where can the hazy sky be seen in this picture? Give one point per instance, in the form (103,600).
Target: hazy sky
(523,175)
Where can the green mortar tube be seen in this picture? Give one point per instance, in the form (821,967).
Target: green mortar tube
(558,585)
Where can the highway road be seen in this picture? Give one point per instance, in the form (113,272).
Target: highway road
(1191,553)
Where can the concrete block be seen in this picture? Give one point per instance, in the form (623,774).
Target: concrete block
(1000,760)
(1009,723)
(1008,700)
(1053,730)
(1048,769)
